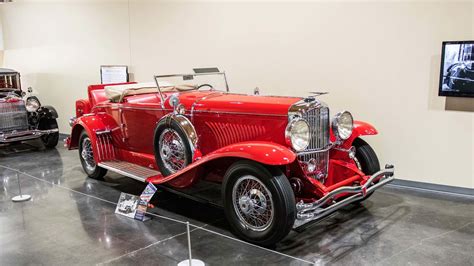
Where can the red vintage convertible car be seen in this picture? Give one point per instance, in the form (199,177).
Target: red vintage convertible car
(279,162)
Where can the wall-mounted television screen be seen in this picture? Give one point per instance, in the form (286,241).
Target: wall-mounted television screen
(457,69)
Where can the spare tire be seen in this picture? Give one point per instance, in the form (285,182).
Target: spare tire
(172,147)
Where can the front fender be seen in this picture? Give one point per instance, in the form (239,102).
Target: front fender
(360,129)
(259,151)
(91,124)
(49,110)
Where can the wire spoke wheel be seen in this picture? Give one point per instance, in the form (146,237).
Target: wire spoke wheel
(172,150)
(87,155)
(252,203)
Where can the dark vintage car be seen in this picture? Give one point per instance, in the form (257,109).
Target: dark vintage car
(21,116)
(279,162)
(460,77)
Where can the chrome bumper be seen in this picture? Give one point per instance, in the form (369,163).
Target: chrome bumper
(307,212)
(24,135)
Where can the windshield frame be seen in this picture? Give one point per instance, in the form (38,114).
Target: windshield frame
(156,77)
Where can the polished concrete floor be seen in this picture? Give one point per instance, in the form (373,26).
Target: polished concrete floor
(70,220)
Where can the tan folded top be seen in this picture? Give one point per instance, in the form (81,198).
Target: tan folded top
(116,92)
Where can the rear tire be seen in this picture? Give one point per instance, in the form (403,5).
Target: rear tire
(366,160)
(86,155)
(264,213)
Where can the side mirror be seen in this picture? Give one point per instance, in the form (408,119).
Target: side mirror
(174,100)
(30,89)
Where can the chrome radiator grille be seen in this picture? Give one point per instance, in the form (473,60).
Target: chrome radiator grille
(318,120)
(13,116)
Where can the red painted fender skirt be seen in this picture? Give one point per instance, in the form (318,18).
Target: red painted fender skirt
(91,124)
(360,129)
(259,151)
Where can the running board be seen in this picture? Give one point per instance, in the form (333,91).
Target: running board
(131,170)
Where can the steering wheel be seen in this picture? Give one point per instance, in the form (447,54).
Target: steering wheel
(205,85)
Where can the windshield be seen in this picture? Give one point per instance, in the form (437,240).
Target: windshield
(196,81)
(9,82)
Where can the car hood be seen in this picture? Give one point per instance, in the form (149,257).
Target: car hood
(221,102)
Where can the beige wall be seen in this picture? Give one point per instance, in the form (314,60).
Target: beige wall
(379,60)
(58,47)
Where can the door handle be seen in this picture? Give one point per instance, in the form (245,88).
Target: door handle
(123,126)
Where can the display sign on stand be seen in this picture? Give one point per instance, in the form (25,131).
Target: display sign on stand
(127,205)
(113,74)
(145,198)
(133,206)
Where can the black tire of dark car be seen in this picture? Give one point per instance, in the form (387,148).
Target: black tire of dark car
(49,140)
(283,201)
(367,159)
(98,172)
(170,124)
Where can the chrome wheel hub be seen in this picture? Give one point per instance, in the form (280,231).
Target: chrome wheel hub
(252,203)
(87,155)
(172,150)
(166,152)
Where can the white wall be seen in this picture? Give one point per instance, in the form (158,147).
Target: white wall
(59,47)
(379,60)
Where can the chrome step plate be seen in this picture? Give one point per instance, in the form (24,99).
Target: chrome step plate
(131,170)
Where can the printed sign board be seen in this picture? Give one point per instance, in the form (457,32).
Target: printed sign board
(133,206)
(113,74)
(127,205)
(145,198)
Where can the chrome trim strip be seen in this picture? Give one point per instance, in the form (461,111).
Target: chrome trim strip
(121,172)
(158,108)
(238,113)
(215,94)
(25,135)
(103,131)
(194,111)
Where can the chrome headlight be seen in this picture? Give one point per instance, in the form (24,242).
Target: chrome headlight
(297,134)
(32,104)
(342,125)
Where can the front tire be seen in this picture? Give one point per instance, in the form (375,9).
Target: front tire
(366,160)
(258,202)
(86,154)
(50,140)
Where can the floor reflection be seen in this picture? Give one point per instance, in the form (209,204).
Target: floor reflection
(76,219)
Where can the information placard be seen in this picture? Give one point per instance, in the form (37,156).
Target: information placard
(113,74)
(127,205)
(145,198)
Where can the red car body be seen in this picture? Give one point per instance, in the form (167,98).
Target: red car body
(228,127)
